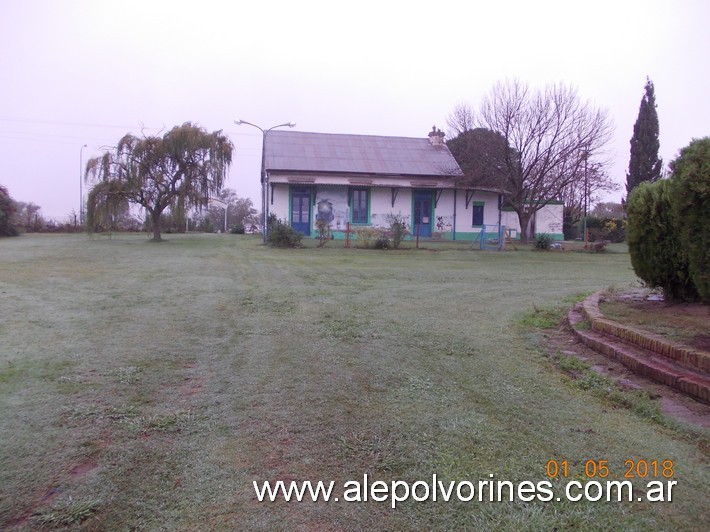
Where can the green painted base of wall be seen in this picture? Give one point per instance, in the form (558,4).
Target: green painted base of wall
(460,236)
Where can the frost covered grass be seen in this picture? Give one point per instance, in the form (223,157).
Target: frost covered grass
(147,385)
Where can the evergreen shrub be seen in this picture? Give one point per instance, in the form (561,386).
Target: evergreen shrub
(543,242)
(282,235)
(657,253)
(691,208)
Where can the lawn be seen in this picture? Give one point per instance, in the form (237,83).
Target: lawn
(145,386)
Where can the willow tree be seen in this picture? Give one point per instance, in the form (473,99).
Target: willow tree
(181,168)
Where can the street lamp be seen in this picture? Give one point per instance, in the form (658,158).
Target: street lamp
(81,190)
(264,179)
(586,196)
(225,206)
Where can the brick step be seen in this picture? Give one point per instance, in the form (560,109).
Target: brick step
(643,362)
(690,357)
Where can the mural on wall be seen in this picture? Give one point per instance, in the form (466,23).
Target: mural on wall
(332,207)
(325,211)
(444,224)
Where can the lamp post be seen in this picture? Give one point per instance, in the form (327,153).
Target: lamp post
(586,196)
(81,189)
(224,205)
(264,179)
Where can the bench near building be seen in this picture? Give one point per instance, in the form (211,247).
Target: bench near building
(364,180)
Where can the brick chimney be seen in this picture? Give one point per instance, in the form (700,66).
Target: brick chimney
(436,137)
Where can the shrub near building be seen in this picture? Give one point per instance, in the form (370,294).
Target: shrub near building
(669,227)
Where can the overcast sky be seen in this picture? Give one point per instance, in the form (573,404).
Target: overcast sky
(77,72)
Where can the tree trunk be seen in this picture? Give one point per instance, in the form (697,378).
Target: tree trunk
(155,217)
(524,219)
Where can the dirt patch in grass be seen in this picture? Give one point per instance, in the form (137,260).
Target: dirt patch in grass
(83,468)
(688,323)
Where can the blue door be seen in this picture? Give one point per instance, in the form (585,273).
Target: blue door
(422,214)
(301,210)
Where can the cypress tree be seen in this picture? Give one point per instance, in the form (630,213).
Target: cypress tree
(644,164)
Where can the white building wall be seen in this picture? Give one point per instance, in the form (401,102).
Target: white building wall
(509,219)
(280,206)
(548,220)
(381,207)
(444,216)
(465,230)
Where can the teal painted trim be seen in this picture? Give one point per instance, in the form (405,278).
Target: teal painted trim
(338,235)
(310,207)
(448,236)
(475,237)
(478,204)
(350,204)
(290,205)
(431,208)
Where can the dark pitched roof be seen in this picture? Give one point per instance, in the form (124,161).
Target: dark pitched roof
(361,154)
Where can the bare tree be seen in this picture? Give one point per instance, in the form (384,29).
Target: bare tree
(460,120)
(550,135)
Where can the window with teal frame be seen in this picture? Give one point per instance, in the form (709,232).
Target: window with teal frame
(360,205)
(477,214)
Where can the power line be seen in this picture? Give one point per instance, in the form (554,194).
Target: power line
(74,124)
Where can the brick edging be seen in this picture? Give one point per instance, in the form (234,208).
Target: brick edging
(657,344)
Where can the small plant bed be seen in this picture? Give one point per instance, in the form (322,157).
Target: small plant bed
(680,322)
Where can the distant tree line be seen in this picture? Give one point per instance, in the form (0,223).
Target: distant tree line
(540,146)
(17,217)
